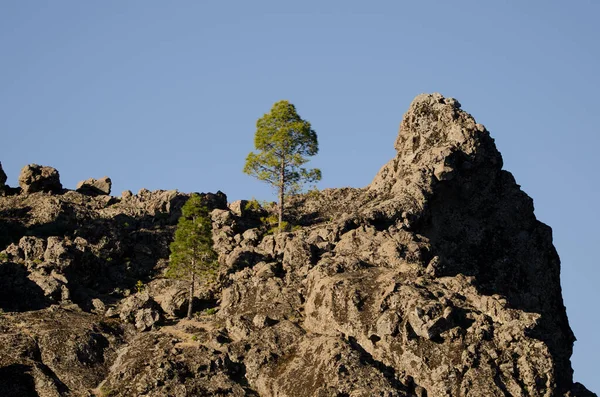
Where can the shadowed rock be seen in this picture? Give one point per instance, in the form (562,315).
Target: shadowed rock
(95,187)
(2,177)
(37,178)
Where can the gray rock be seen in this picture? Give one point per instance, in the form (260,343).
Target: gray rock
(33,248)
(171,295)
(434,280)
(141,310)
(56,250)
(37,178)
(95,187)
(238,207)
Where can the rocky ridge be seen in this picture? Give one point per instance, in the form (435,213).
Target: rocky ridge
(434,280)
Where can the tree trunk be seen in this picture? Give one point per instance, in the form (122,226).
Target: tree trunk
(280,224)
(281,193)
(191,298)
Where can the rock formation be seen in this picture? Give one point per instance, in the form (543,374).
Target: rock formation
(434,280)
(37,178)
(95,186)
(2,176)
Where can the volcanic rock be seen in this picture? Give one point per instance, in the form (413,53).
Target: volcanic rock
(95,186)
(141,310)
(435,280)
(37,178)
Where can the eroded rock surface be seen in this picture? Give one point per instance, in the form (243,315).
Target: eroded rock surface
(434,280)
(95,186)
(38,178)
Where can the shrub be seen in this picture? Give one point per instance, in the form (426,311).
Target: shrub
(140,287)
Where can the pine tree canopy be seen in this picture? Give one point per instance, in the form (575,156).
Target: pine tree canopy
(191,250)
(283,141)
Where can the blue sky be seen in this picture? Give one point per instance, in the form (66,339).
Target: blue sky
(165,95)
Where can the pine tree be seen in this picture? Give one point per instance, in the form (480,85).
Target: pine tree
(192,253)
(283,140)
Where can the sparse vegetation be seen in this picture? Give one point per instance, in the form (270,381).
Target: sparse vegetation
(313,194)
(253,205)
(106,391)
(273,226)
(140,287)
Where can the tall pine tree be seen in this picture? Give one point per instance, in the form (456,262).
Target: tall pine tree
(192,251)
(283,141)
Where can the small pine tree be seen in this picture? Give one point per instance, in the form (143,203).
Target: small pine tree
(192,251)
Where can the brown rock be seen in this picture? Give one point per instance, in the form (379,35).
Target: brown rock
(37,178)
(435,280)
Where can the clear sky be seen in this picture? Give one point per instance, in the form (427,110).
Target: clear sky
(165,95)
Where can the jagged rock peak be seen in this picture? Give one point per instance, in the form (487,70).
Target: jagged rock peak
(437,280)
(436,139)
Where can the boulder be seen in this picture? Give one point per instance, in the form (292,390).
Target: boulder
(171,295)
(238,207)
(33,248)
(95,187)
(216,200)
(142,311)
(38,178)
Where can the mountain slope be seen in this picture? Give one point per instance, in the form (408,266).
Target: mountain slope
(434,280)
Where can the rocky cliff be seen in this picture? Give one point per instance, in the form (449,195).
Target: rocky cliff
(434,280)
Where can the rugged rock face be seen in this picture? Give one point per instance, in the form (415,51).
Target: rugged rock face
(2,176)
(95,186)
(38,178)
(435,280)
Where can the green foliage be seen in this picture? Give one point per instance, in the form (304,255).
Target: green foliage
(191,251)
(140,287)
(37,261)
(253,205)
(3,257)
(313,194)
(106,391)
(273,226)
(283,141)
(210,311)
